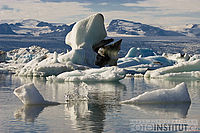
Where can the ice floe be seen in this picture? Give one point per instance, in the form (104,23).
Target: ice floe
(142,64)
(24,55)
(94,74)
(185,68)
(178,94)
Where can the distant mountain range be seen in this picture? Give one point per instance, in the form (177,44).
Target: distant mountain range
(119,27)
(33,27)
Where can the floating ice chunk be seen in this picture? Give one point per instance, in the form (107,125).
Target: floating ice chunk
(95,74)
(174,70)
(50,69)
(142,52)
(43,66)
(178,94)
(29,95)
(24,55)
(141,64)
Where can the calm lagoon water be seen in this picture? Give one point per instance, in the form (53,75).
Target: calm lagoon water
(101,113)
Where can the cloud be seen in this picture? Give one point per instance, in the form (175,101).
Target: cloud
(169,6)
(167,12)
(161,12)
(46,11)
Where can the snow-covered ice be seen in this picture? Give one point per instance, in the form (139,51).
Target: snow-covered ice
(178,94)
(24,55)
(189,67)
(94,74)
(45,65)
(141,64)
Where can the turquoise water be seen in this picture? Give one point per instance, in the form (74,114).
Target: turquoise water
(102,113)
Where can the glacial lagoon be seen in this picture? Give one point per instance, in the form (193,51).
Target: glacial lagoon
(101,113)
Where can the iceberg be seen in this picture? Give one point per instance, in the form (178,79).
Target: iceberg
(84,35)
(43,66)
(24,55)
(140,52)
(29,95)
(184,68)
(142,64)
(94,74)
(178,94)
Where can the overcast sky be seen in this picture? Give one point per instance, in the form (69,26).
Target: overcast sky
(156,12)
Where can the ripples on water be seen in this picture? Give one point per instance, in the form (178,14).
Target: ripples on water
(101,113)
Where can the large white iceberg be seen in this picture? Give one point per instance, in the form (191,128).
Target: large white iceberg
(184,68)
(178,94)
(29,95)
(83,36)
(95,74)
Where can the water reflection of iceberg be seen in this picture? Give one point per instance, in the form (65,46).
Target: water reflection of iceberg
(28,113)
(88,117)
(165,110)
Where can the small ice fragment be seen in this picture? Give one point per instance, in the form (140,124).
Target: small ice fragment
(29,95)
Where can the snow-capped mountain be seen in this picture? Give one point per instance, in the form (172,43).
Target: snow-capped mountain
(188,29)
(33,27)
(116,27)
(125,27)
(6,29)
